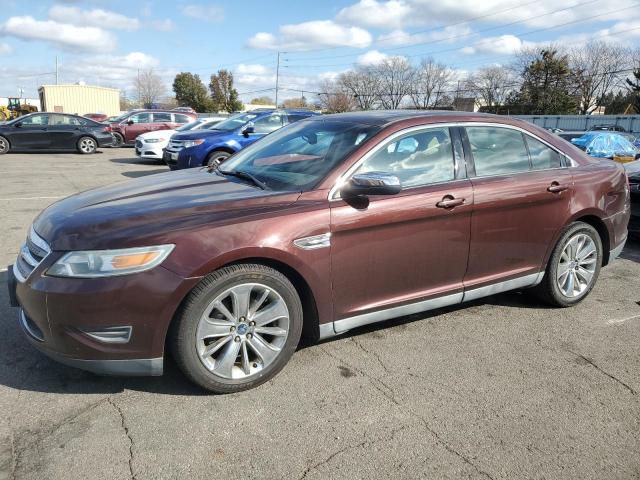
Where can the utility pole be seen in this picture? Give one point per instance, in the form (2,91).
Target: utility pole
(277,77)
(56,70)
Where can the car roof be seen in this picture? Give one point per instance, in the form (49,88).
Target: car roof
(387,117)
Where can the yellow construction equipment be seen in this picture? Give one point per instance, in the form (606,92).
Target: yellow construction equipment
(15,109)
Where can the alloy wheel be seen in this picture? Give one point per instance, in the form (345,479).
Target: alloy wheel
(4,145)
(242,331)
(577,265)
(87,145)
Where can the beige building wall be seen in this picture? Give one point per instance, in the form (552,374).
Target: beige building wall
(79,99)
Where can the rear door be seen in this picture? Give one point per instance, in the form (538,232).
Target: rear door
(64,131)
(390,253)
(180,119)
(30,132)
(522,194)
(162,121)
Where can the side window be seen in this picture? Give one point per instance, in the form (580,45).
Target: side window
(268,124)
(417,158)
(542,157)
(294,117)
(179,118)
(161,117)
(497,151)
(63,120)
(35,120)
(144,117)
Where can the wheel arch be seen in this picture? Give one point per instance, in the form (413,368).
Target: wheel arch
(596,222)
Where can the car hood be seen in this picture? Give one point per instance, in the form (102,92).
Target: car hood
(157,134)
(153,210)
(197,134)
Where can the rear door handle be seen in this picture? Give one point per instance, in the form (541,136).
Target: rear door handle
(555,187)
(449,202)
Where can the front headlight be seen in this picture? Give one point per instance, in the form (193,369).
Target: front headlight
(155,140)
(108,263)
(193,143)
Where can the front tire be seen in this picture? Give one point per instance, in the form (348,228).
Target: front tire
(574,266)
(87,145)
(216,158)
(4,146)
(238,328)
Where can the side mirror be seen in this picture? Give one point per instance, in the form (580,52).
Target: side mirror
(17,124)
(637,156)
(130,122)
(371,183)
(247,129)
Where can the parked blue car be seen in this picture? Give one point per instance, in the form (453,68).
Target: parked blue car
(605,144)
(206,147)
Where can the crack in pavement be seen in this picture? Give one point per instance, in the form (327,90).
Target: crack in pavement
(369,352)
(123,423)
(594,365)
(39,436)
(391,397)
(365,443)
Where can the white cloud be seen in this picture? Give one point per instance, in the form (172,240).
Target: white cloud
(313,34)
(504,44)
(59,34)
(251,69)
(165,25)
(92,18)
(372,57)
(372,13)
(448,34)
(5,49)
(209,13)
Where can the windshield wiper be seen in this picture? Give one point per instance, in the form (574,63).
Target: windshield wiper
(245,175)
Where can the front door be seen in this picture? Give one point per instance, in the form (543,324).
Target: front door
(137,125)
(399,254)
(30,132)
(522,197)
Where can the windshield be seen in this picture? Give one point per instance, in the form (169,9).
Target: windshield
(299,156)
(120,118)
(234,122)
(189,126)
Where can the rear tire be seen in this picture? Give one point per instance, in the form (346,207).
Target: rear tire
(216,158)
(237,328)
(4,146)
(573,268)
(87,145)
(118,140)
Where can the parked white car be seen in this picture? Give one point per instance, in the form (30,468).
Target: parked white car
(151,144)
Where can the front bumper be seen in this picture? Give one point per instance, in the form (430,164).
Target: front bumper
(145,150)
(56,315)
(185,158)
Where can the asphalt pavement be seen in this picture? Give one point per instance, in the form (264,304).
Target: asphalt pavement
(502,388)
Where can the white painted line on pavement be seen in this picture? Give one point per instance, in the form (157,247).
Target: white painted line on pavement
(622,320)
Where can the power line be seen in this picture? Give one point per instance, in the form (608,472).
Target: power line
(463,35)
(453,49)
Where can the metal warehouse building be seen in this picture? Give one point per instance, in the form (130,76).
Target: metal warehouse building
(79,99)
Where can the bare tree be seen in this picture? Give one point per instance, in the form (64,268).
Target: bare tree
(395,75)
(149,87)
(491,86)
(364,84)
(595,68)
(334,99)
(430,81)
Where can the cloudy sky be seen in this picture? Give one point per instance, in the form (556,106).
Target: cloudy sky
(105,43)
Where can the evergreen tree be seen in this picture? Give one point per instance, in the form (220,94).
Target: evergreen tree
(224,95)
(191,92)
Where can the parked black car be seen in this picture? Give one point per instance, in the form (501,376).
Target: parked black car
(54,131)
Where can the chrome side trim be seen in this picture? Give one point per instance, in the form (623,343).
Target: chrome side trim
(314,242)
(327,331)
(345,324)
(615,253)
(338,327)
(520,282)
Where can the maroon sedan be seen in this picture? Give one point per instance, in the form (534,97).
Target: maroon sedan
(129,125)
(328,224)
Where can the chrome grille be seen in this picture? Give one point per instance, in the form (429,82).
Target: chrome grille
(175,145)
(32,253)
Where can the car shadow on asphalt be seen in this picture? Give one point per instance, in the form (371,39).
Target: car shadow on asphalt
(632,249)
(144,173)
(136,161)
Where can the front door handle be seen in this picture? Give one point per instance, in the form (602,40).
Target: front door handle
(449,202)
(555,187)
